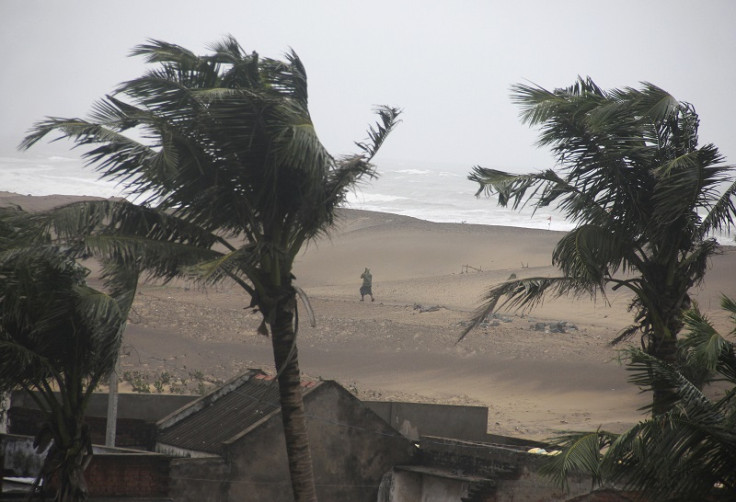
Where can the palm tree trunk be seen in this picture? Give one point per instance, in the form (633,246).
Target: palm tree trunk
(66,461)
(112,406)
(663,395)
(283,339)
(73,486)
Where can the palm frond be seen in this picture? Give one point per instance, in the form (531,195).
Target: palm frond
(577,453)
(722,213)
(46,308)
(686,453)
(237,263)
(158,51)
(103,319)
(388,119)
(650,373)
(307,305)
(20,365)
(525,294)
(592,254)
(703,345)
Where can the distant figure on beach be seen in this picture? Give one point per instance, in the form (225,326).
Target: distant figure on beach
(366,288)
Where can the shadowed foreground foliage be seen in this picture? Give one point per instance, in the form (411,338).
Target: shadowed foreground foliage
(685,454)
(58,339)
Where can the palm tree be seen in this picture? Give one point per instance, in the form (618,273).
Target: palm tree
(687,453)
(225,143)
(58,337)
(644,196)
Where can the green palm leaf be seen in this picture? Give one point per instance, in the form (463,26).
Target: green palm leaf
(579,452)
(644,197)
(524,293)
(231,180)
(687,453)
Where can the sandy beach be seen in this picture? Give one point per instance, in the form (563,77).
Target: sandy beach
(427,280)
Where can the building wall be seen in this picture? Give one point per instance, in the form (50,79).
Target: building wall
(131,433)
(200,480)
(442,490)
(111,472)
(148,407)
(405,487)
(515,472)
(349,460)
(128,475)
(137,414)
(419,419)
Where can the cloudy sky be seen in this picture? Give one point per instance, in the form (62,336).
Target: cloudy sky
(448,64)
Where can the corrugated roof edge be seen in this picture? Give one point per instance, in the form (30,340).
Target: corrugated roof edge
(209,398)
(307,388)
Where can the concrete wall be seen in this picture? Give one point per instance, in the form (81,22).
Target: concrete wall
(407,485)
(418,419)
(515,473)
(199,479)
(131,433)
(147,407)
(436,489)
(351,450)
(137,414)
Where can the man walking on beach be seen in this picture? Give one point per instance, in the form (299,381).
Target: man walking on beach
(367,287)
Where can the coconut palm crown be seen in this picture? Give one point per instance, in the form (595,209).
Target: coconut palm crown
(222,155)
(644,196)
(58,339)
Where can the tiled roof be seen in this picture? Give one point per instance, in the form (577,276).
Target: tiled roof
(206,423)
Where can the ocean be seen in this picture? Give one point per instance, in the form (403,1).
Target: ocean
(429,191)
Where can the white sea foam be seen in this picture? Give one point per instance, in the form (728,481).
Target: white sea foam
(439,193)
(372,198)
(413,171)
(52,175)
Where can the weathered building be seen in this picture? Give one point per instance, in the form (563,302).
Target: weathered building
(229,446)
(232,448)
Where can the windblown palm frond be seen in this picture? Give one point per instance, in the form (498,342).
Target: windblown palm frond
(704,346)
(591,254)
(687,453)
(577,452)
(231,180)
(126,235)
(644,196)
(525,294)
(48,310)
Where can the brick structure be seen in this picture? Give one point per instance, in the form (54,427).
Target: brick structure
(128,475)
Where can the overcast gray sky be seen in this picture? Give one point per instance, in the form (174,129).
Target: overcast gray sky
(448,64)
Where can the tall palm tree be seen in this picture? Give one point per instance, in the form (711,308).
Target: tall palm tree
(687,453)
(58,339)
(644,196)
(225,143)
